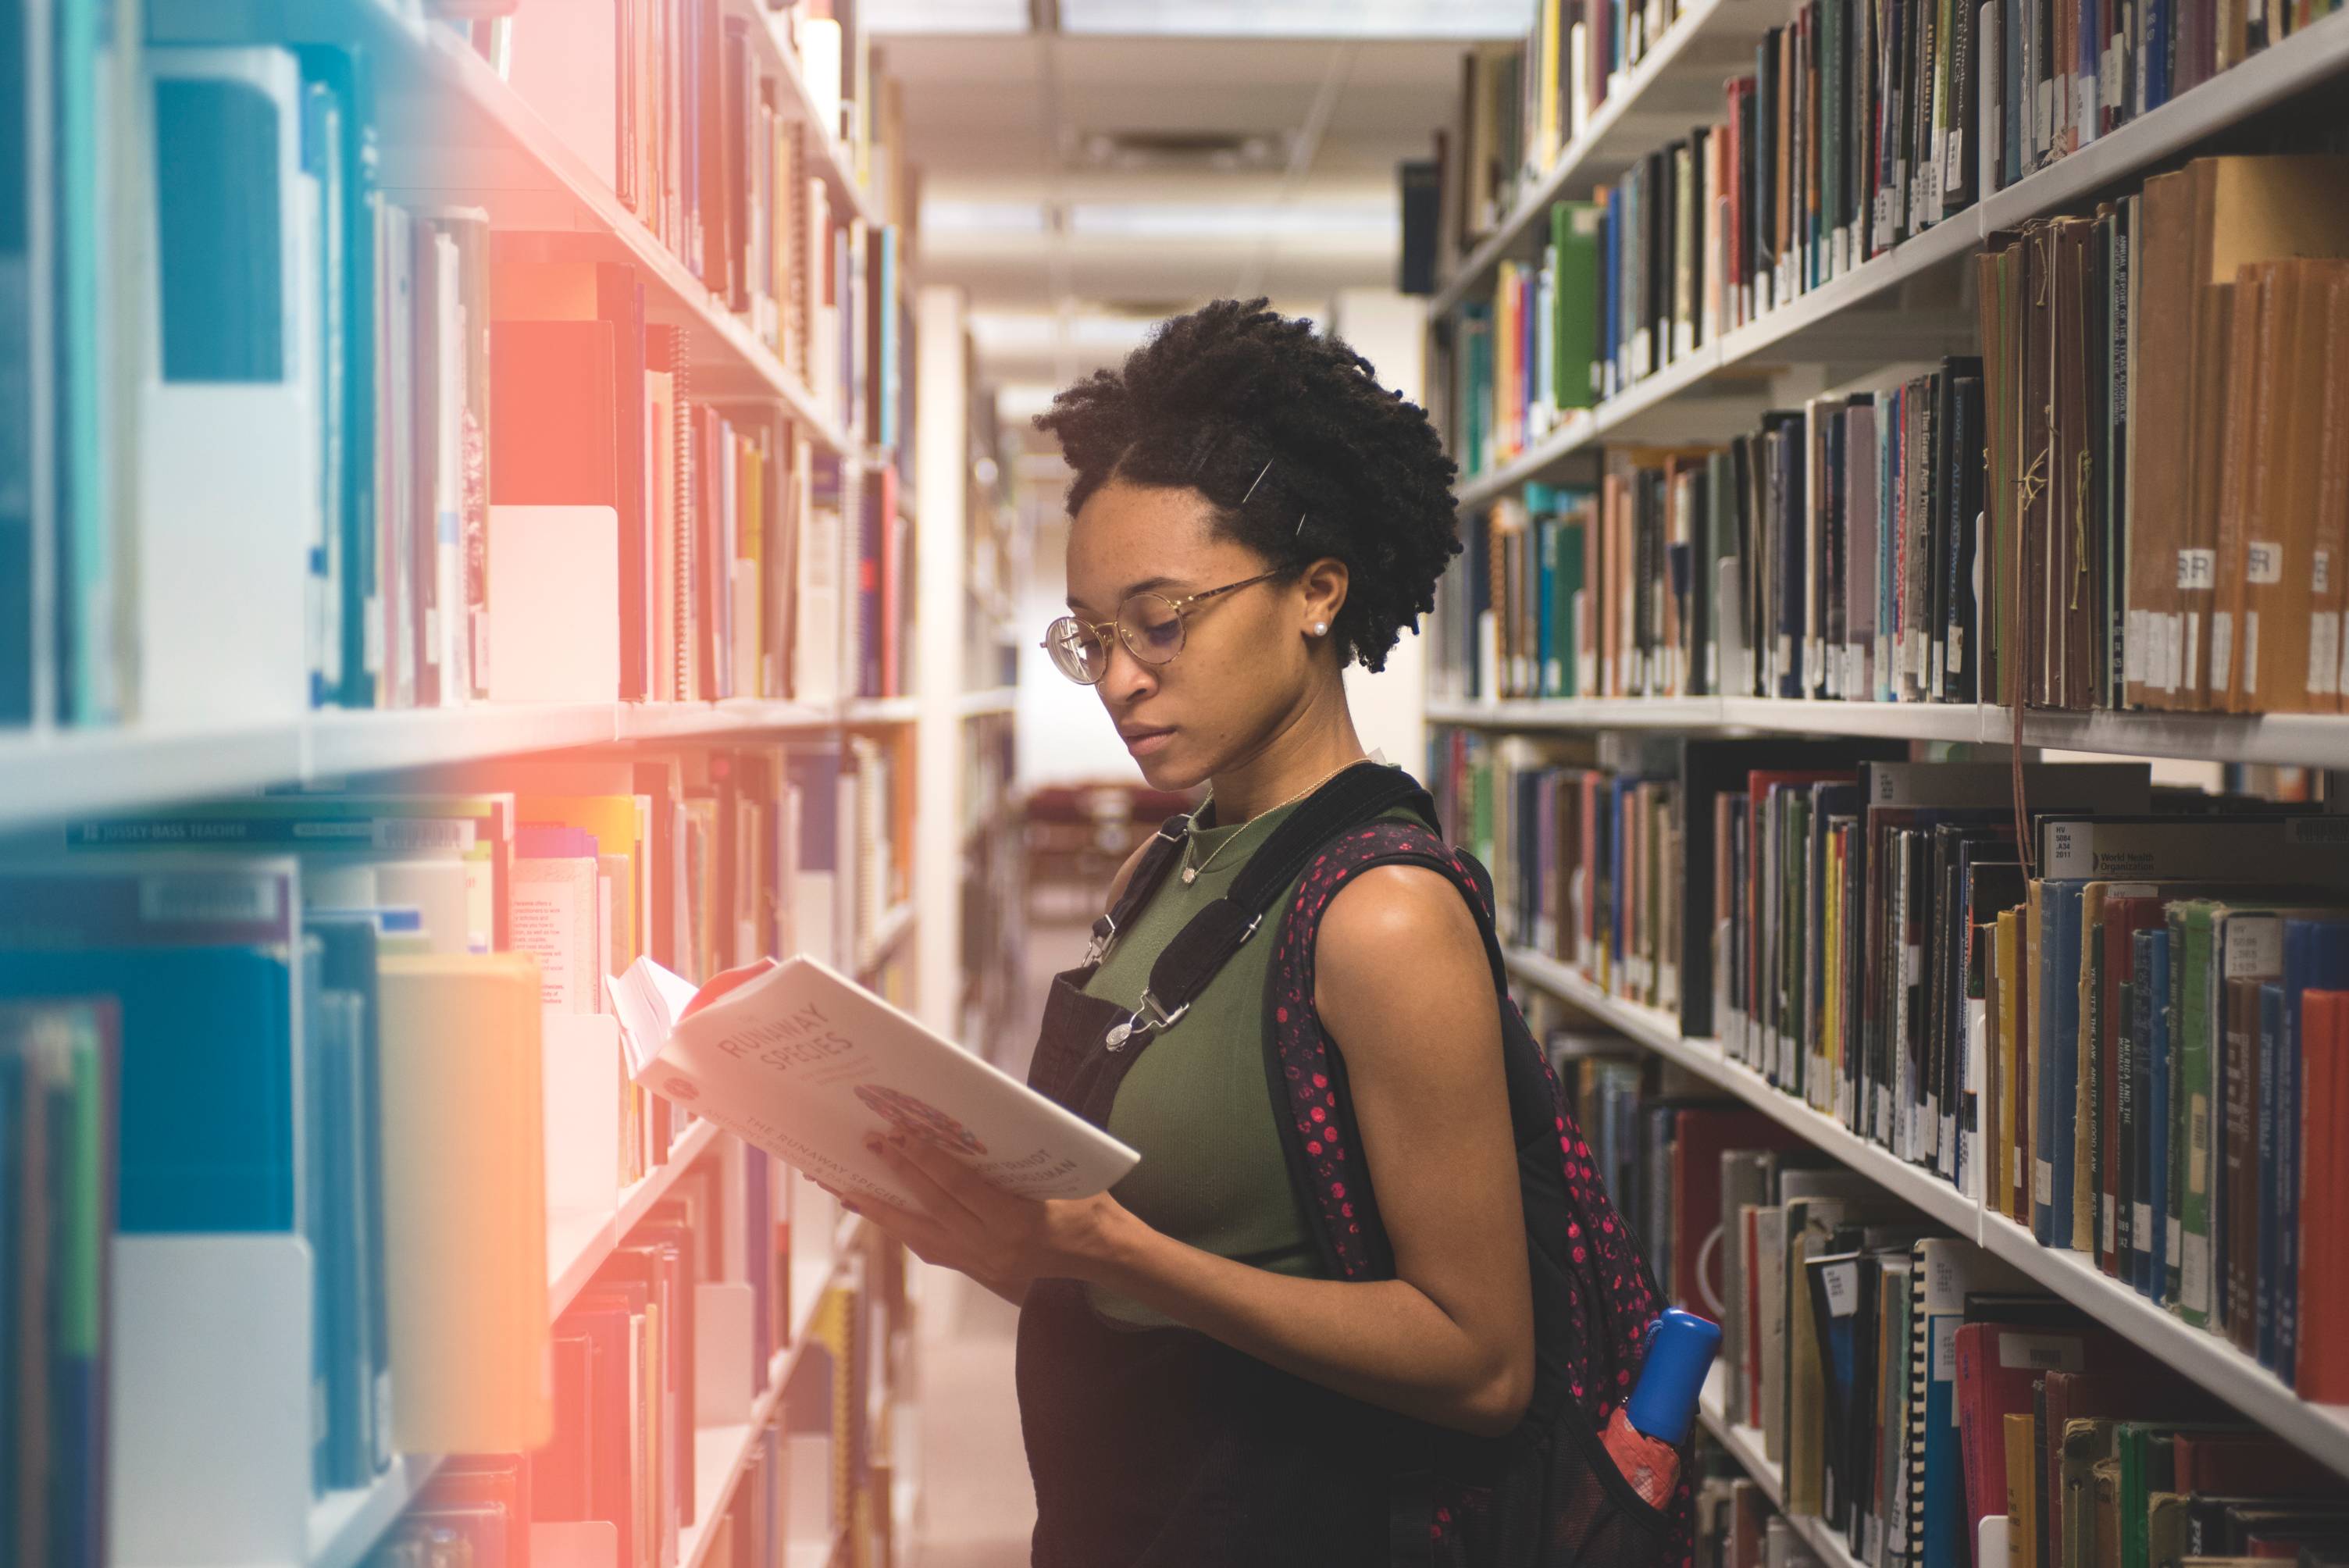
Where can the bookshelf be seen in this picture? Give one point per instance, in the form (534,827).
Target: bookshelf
(1861,325)
(785,494)
(1687,398)
(1743,1444)
(2320,1430)
(2291,740)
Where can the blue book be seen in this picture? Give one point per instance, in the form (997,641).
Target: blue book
(2156,1175)
(2315,958)
(14,1201)
(2140,1069)
(2270,1113)
(206,1128)
(343,78)
(1546,675)
(348,943)
(2058,1064)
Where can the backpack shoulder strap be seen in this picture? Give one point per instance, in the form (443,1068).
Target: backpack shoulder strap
(1192,958)
(1308,1076)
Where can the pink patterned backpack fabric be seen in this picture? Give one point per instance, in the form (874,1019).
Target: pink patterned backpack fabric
(1549,1495)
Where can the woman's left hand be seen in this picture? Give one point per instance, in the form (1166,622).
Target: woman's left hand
(962,1220)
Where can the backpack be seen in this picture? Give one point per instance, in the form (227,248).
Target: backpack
(1548,1495)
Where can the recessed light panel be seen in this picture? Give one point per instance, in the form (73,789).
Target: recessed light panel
(1301,18)
(944,15)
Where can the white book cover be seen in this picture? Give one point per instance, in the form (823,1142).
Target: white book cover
(808,1065)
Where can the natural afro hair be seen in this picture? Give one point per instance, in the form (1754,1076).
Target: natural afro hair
(1217,395)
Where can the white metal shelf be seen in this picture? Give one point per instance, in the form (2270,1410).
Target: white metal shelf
(2295,739)
(835,161)
(1745,1445)
(2304,60)
(47,774)
(345,1524)
(988,700)
(1704,42)
(459,84)
(722,1454)
(578,1244)
(2210,1360)
(879,710)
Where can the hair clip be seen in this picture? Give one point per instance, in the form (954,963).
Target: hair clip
(1300,524)
(1257,481)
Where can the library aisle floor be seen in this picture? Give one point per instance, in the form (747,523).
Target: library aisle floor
(977,1503)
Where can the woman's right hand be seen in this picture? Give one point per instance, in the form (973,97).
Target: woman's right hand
(930,1242)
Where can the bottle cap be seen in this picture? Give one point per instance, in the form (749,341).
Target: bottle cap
(1680,1348)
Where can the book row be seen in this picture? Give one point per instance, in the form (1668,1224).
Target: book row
(1520,105)
(378,1023)
(363,452)
(2100,1010)
(2132,498)
(1921,1398)
(1863,123)
(617,1480)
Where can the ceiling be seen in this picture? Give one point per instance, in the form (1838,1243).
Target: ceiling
(1080,187)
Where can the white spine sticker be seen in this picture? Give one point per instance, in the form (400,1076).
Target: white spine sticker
(2263,563)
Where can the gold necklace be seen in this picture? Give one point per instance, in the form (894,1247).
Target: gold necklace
(1192,873)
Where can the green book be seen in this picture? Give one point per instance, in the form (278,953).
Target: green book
(2174,1179)
(1565,589)
(1574,268)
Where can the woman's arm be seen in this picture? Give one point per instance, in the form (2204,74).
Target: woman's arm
(1403,982)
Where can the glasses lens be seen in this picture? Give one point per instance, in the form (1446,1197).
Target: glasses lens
(1076,652)
(1152,628)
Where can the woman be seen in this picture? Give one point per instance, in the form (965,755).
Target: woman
(1251,513)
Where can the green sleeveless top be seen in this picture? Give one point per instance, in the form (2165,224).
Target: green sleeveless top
(1196,1104)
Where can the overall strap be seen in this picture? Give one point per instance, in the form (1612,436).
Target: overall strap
(1186,963)
(1157,859)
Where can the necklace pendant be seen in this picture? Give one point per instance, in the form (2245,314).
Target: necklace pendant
(1190,875)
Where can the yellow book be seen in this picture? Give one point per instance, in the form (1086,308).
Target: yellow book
(464,1181)
(2006,955)
(1547,40)
(2022,1495)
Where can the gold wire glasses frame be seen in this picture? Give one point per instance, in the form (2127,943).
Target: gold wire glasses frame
(1149,624)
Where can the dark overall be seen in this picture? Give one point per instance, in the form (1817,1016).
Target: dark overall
(1162,1448)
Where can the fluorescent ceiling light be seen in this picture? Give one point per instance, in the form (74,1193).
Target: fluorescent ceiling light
(944,215)
(1206,220)
(945,16)
(1022,401)
(1124,332)
(1301,18)
(1014,331)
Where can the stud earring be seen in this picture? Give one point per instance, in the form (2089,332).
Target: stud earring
(1321,628)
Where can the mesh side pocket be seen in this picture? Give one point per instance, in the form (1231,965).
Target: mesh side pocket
(1590,1518)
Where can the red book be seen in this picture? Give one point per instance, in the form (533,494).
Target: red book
(2247,1464)
(609,1318)
(551,421)
(1702,1134)
(562,1474)
(2322,1371)
(1996,1364)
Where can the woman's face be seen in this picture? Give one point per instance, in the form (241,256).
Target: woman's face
(1243,665)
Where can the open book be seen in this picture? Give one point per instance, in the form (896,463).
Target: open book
(807,1065)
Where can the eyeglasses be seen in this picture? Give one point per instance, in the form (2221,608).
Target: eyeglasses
(1149,624)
